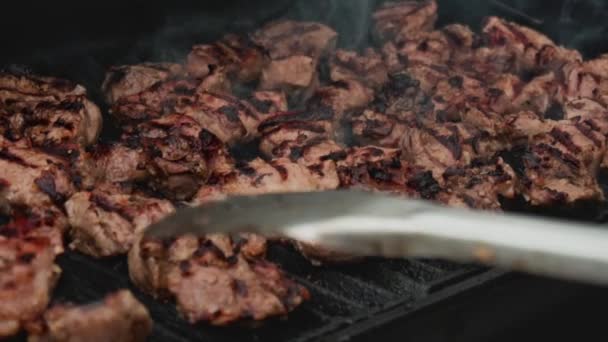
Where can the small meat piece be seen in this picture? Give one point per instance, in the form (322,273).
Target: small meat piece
(479,185)
(114,163)
(367,68)
(374,128)
(286,38)
(341,97)
(403,98)
(34,179)
(119,317)
(217,279)
(105,223)
(126,80)
(278,175)
(27,277)
(37,223)
(235,55)
(297,76)
(398,20)
(268,102)
(47,113)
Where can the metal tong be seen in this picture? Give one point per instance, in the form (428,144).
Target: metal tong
(370,224)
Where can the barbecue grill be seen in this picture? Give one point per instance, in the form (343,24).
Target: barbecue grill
(80,40)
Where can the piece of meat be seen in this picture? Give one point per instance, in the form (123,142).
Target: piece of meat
(217,279)
(296,75)
(268,102)
(277,175)
(235,55)
(27,277)
(34,179)
(398,20)
(47,113)
(127,80)
(374,128)
(119,317)
(106,223)
(341,97)
(37,223)
(287,38)
(367,68)
(479,185)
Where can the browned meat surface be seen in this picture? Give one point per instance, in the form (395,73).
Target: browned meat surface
(367,68)
(27,277)
(118,317)
(287,38)
(374,128)
(235,55)
(217,279)
(479,185)
(106,223)
(47,113)
(277,175)
(398,20)
(37,223)
(296,75)
(34,179)
(127,80)
(341,97)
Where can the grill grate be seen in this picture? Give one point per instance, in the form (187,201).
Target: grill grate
(341,295)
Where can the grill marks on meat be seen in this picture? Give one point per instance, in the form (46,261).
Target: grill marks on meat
(33,223)
(367,68)
(127,80)
(216,278)
(27,277)
(105,223)
(398,20)
(118,317)
(47,113)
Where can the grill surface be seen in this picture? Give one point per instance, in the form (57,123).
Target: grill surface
(347,300)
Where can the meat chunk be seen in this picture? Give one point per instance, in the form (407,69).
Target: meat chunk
(127,80)
(374,128)
(34,223)
(341,97)
(479,185)
(277,175)
(34,179)
(296,75)
(398,20)
(367,68)
(27,278)
(47,113)
(105,223)
(235,55)
(286,38)
(217,278)
(118,317)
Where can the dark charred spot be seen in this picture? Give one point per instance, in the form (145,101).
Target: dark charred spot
(557,197)
(318,169)
(451,142)
(116,75)
(589,133)
(238,243)
(73,106)
(26,258)
(280,169)
(555,112)
(262,106)
(245,169)
(209,247)
(379,174)
(565,139)
(453,171)
(64,124)
(335,156)
(495,92)
(231,113)
(106,204)
(456,82)
(232,260)
(296,153)
(46,184)
(183,90)
(239,287)
(185,267)
(423,46)
(468,200)
(13,158)
(424,183)
(474,181)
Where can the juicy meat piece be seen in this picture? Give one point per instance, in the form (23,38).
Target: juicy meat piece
(105,223)
(126,80)
(268,102)
(440,146)
(374,128)
(235,55)
(367,68)
(287,38)
(27,277)
(398,20)
(277,175)
(36,223)
(47,113)
(479,185)
(34,179)
(217,278)
(119,317)
(296,75)
(380,169)
(533,51)
(342,97)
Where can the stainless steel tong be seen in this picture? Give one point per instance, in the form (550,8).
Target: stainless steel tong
(368,224)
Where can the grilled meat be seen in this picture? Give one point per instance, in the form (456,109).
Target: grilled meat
(296,75)
(47,113)
(341,97)
(27,277)
(118,317)
(398,20)
(36,223)
(235,55)
(216,279)
(128,80)
(367,68)
(105,223)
